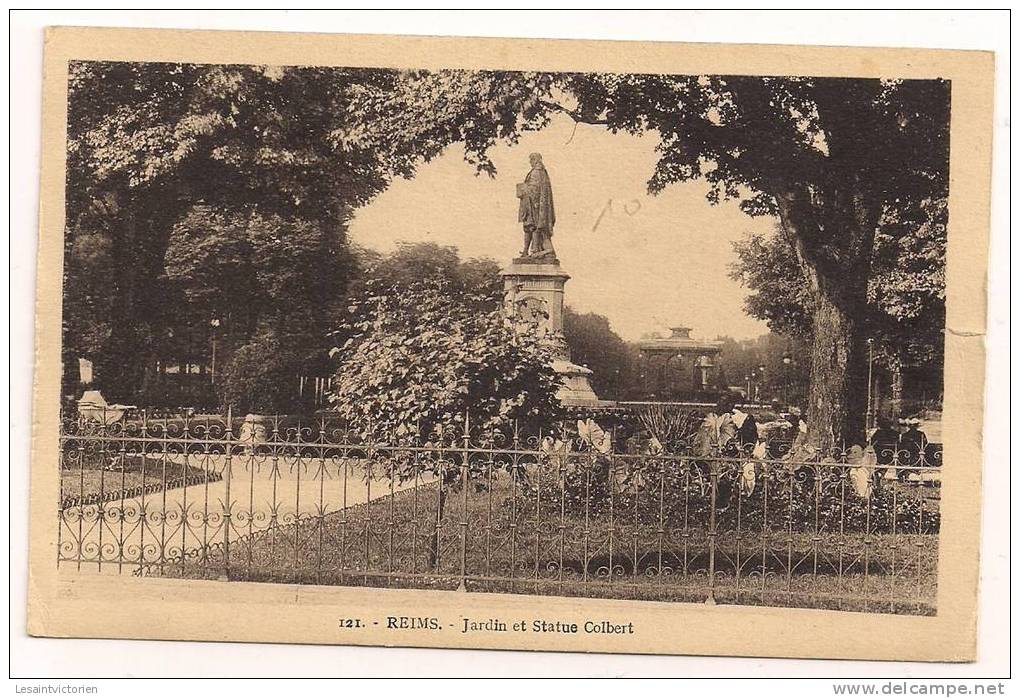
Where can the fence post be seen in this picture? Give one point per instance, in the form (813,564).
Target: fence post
(61,461)
(713,468)
(227,505)
(464,501)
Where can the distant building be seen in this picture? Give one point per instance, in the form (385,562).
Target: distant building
(679,367)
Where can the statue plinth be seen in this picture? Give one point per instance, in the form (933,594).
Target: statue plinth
(575,386)
(533,289)
(518,261)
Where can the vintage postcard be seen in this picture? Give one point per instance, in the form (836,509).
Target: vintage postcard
(486,343)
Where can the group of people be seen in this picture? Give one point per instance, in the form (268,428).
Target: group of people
(731,432)
(904,444)
(907,446)
(738,431)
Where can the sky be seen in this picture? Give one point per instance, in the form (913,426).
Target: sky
(645,262)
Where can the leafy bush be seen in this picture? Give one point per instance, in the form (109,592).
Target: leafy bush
(261,377)
(432,354)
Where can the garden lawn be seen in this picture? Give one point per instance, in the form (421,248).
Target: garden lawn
(505,547)
(93,479)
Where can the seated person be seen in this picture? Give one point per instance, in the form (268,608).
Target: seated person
(912,444)
(885,441)
(747,429)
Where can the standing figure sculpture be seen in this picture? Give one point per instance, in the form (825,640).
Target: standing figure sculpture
(536,210)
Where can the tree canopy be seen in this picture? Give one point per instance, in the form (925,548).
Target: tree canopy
(850,167)
(412,263)
(594,344)
(905,310)
(161,155)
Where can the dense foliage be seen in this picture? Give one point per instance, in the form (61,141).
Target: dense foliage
(594,344)
(430,358)
(786,360)
(262,375)
(906,294)
(162,154)
(411,263)
(856,171)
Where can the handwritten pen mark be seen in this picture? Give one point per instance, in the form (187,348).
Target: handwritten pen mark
(631,208)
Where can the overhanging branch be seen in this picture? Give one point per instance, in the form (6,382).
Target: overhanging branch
(574,114)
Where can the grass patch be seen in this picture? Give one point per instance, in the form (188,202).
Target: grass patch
(510,543)
(91,478)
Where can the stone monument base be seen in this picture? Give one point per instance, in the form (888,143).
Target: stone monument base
(534,289)
(538,259)
(575,386)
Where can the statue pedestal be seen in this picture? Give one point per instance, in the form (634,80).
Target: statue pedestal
(575,388)
(533,289)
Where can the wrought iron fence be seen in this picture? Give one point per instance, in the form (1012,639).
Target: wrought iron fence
(575,511)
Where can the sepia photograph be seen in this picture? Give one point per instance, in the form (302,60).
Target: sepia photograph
(606,344)
(276,368)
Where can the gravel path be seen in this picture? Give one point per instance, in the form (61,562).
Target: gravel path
(115,537)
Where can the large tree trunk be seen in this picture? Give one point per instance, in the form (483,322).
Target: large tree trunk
(836,261)
(837,398)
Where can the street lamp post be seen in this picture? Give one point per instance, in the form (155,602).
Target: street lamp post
(869,417)
(761,383)
(787,360)
(215,324)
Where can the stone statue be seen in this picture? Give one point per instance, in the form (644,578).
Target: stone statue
(536,211)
